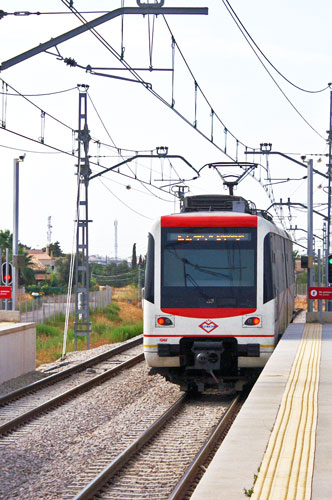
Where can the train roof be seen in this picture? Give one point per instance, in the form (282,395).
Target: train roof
(234,210)
(222,203)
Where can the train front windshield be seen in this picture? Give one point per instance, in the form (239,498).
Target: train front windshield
(208,267)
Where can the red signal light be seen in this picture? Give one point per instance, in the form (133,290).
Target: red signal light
(7,277)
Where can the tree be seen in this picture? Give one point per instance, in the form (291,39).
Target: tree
(134,257)
(113,274)
(54,249)
(6,239)
(62,265)
(26,274)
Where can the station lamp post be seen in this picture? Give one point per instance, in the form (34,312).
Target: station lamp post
(15,230)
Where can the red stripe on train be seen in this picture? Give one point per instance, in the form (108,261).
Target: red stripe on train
(209,221)
(207,335)
(208,313)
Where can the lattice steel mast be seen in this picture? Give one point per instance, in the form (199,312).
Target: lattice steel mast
(82,324)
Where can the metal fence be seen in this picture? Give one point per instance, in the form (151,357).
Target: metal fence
(301,289)
(43,307)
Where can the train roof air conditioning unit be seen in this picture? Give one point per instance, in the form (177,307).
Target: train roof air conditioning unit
(215,203)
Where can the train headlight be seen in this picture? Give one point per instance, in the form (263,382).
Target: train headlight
(253,321)
(164,321)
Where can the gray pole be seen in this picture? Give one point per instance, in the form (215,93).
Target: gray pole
(310,226)
(1,278)
(329,185)
(15,232)
(320,284)
(7,271)
(328,230)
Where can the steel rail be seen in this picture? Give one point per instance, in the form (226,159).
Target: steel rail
(102,479)
(190,474)
(56,377)
(37,411)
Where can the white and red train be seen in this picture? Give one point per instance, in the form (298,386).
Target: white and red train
(219,292)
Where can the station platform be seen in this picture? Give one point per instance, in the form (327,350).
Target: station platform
(280,445)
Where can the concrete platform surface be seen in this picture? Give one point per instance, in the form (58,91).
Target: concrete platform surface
(235,467)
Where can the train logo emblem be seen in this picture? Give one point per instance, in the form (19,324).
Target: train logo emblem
(208,326)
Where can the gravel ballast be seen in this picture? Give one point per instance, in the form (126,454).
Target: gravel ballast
(45,457)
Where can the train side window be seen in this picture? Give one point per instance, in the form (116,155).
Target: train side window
(149,272)
(282,264)
(269,259)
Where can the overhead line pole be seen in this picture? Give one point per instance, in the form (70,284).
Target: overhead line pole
(329,171)
(82,324)
(310,228)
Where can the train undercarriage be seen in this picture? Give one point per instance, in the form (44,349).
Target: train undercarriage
(208,363)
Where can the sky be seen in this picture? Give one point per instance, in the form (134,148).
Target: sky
(127,118)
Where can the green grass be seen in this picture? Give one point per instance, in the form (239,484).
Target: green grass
(50,334)
(47,329)
(111,311)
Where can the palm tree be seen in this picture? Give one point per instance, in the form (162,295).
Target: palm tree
(6,239)
(26,273)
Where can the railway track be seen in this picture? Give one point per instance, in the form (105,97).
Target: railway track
(31,401)
(163,462)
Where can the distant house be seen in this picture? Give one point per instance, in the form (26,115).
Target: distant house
(42,264)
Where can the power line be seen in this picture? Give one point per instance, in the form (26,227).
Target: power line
(36,106)
(129,274)
(109,135)
(266,58)
(29,151)
(151,90)
(123,203)
(59,150)
(269,73)
(91,162)
(39,95)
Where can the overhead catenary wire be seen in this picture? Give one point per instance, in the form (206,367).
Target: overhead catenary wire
(123,203)
(227,4)
(151,90)
(32,152)
(109,135)
(46,94)
(270,74)
(136,75)
(59,150)
(38,107)
(270,192)
(128,176)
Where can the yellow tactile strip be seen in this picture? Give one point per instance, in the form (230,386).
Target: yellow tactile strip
(286,470)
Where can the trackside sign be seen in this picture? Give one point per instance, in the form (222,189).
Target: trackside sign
(320,292)
(5,292)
